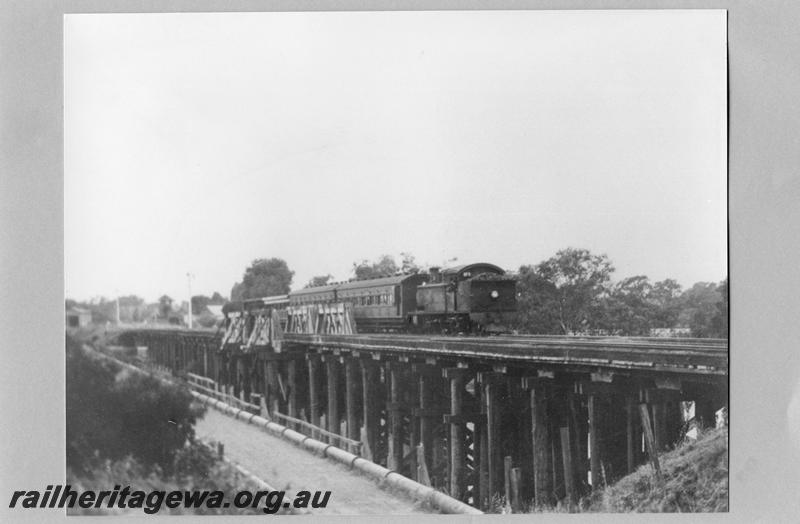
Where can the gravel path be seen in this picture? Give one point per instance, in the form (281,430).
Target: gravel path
(285,466)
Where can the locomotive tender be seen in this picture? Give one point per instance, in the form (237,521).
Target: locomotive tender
(473,298)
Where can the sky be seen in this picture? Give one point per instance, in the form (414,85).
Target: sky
(196,143)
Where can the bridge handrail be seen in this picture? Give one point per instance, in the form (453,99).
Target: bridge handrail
(225,397)
(207,386)
(353,446)
(208,382)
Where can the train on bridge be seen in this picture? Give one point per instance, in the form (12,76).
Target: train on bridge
(474,298)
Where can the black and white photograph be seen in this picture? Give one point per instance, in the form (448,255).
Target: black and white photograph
(399,259)
(392,263)
(371,263)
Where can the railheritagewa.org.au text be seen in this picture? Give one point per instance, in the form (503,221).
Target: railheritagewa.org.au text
(150,502)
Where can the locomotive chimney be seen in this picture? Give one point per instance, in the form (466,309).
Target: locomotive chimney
(436,277)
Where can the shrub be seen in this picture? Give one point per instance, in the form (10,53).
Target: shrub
(112,413)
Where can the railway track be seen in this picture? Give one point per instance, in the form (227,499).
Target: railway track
(692,357)
(680,355)
(716,343)
(699,344)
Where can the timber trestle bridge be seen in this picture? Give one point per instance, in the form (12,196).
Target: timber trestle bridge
(537,419)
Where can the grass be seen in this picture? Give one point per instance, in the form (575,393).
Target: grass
(695,480)
(129,472)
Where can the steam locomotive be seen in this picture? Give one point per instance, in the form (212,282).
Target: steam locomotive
(473,298)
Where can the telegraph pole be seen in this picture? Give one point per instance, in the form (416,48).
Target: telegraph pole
(189,278)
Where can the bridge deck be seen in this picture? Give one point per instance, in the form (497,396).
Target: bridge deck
(693,356)
(667,355)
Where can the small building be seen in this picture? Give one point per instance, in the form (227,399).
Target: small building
(216,310)
(78,317)
(670,332)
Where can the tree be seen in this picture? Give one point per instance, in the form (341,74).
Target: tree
(579,280)
(665,295)
(385,266)
(164,306)
(719,322)
(536,305)
(319,281)
(131,308)
(102,310)
(704,308)
(699,307)
(628,309)
(265,277)
(199,303)
(408,264)
(131,301)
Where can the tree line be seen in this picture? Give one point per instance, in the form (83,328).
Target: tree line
(272,276)
(571,292)
(134,309)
